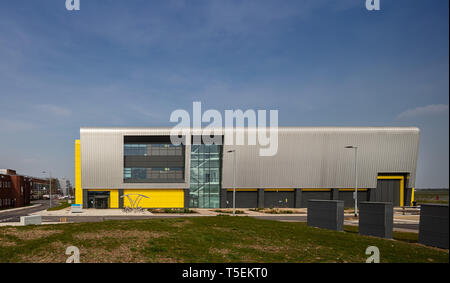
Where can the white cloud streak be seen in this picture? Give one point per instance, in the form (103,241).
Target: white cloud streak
(428,110)
(54,109)
(15,125)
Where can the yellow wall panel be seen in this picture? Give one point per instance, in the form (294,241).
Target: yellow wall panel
(166,198)
(114,198)
(78,189)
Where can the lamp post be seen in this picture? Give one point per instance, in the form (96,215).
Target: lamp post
(355,196)
(50,184)
(234,180)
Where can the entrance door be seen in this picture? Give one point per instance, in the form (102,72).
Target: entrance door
(390,189)
(98,199)
(101,202)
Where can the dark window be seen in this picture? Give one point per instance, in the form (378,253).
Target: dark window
(152,175)
(153,159)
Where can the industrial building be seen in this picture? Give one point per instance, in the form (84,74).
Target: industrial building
(113,165)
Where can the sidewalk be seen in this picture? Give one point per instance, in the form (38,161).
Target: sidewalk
(5,224)
(206,212)
(296,215)
(20,208)
(199,212)
(118,212)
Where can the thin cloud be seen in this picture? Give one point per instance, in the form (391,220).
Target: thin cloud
(432,109)
(15,125)
(54,109)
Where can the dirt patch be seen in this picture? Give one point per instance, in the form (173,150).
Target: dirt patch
(6,243)
(53,253)
(123,253)
(262,247)
(135,241)
(29,234)
(223,229)
(162,259)
(222,252)
(180,224)
(119,234)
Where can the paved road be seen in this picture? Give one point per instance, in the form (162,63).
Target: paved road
(14,216)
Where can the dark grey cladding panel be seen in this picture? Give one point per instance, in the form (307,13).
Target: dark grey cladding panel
(279,199)
(388,191)
(327,214)
(376,219)
(85,198)
(433,227)
(186,198)
(120,198)
(247,199)
(153,161)
(223,198)
(298,198)
(260,198)
(347,197)
(311,195)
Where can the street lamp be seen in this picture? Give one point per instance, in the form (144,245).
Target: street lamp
(355,196)
(234,180)
(50,183)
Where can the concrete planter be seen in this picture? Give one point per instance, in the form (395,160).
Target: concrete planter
(376,219)
(327,214)
(433,227)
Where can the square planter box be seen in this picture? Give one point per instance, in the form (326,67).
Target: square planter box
(376,219)
(327,214)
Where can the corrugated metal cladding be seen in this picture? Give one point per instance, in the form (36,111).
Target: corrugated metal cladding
(102,158)
(307,157)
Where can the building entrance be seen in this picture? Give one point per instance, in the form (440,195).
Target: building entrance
(99,200)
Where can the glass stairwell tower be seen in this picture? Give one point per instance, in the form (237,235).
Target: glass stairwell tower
(205,181)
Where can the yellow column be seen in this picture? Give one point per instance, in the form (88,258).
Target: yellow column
(113,198)
(78,189)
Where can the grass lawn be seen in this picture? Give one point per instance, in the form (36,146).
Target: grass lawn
(203,239)
(431,196)
(61,205)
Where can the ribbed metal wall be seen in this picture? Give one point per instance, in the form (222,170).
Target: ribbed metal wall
(307,157)
(102,158)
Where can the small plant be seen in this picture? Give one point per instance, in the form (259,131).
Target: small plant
(172,210)
(277,211)
(127,209)
(62,205)
(229,211)
(257,209)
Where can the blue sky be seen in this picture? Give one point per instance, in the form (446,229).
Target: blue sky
(131,63)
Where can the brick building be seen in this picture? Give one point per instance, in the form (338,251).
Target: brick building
(14,189)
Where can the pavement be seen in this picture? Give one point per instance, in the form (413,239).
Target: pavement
(405,223)
(14,214)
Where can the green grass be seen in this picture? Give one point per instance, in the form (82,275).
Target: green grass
(430,196)
(399,236)
(204,239)
(62,205)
